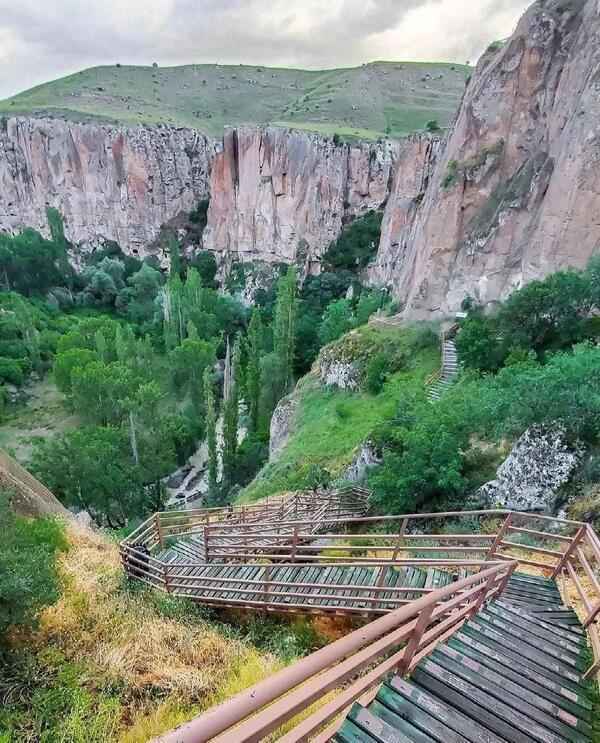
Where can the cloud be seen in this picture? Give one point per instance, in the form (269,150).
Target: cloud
(42,41)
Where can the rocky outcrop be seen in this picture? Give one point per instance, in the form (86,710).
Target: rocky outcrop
(516,192)
(282,424)
(338,370)
(282,196)
(109,183)
(366,458)
(530,479)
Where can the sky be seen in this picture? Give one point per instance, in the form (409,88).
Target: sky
(41,41)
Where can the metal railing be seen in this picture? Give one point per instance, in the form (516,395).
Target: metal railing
(396,641)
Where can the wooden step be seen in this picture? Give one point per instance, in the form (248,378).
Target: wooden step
(551,690)
(441,721)
(513,694)
(499,717)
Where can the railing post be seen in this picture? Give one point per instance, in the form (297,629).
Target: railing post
(399,539)
(206,533)
(482,594)
(415,638)
(158,530)
(266,583)
(294,545)
(380,582)
(166,578)
(499,536)
(569,551)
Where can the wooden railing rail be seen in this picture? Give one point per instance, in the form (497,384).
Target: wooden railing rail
(408,632)
(21,477)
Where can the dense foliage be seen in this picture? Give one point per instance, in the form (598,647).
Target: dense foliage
(28,578)
(543,316)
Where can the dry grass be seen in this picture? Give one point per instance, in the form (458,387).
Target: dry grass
(166,668)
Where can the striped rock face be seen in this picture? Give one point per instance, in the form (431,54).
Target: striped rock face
(515,193)
(109,183)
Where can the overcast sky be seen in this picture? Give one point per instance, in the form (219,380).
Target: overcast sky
(40,41)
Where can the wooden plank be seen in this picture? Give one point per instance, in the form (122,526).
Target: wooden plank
(385,726)
(576,704)
(567,661)
(521,652)
(512,694)
(494,714)
(535,628)
(426,711)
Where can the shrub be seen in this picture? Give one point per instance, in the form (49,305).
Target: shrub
(11,371)
(28,578)
(432,126)
(376,373)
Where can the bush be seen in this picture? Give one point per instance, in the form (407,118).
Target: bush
(357,244)
(376,373)
(28,578)
(11,371)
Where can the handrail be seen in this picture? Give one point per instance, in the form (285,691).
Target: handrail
(557,546)
(420,624)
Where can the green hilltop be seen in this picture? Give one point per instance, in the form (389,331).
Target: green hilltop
(393,98)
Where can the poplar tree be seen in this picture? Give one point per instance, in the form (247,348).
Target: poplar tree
(211,435)
(231,417)
(284,329)
(253,370)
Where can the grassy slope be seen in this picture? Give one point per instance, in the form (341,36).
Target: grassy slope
(332,424)
(115,663)
(42,416)
(359,101)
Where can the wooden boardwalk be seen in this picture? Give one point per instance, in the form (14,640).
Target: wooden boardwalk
(294,587)
(512,673)
(468,648)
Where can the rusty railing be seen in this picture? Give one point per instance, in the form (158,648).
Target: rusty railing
(396,641)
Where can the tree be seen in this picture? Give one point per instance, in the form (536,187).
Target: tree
(432,126)
(284,329)
(66,362)
(547,314)
(478,343)
(100,391)
(211,435)
(187,364)
(337,320)
(90,468)
(254,345)
(231,405)
(28,575)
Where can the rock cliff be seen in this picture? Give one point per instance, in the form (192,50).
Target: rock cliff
(515,194)
(109,183)
(280,195)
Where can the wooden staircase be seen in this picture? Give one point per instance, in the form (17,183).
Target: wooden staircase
(448,372)
(512,673)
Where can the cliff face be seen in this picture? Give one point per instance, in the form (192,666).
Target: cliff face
(109,183)
(282,196)
(516,192)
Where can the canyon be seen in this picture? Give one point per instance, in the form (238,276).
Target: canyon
(510,193)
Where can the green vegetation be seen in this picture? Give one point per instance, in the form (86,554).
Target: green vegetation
(111,661)
(208,97)
(468,168)
(28,578)
(331,424)
(543,316)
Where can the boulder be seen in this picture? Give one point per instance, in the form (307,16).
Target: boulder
(535,471)
(366,458)
(282,424)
